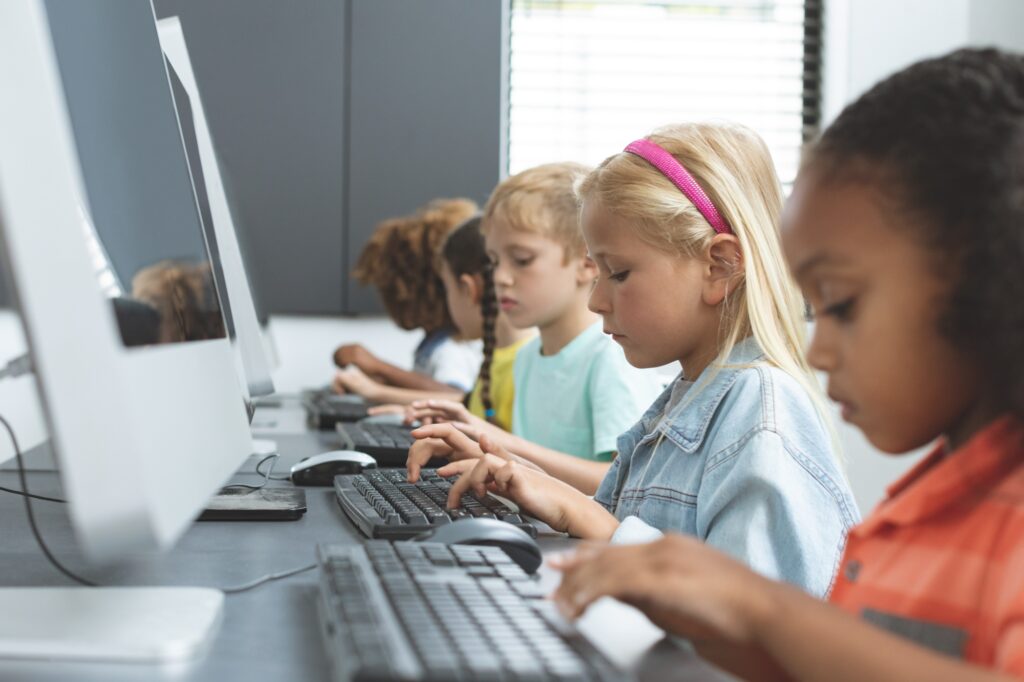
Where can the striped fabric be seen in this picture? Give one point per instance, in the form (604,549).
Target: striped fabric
(941,560)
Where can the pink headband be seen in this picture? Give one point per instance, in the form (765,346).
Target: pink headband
(674,171)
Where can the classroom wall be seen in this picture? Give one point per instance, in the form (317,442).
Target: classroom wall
(332,115)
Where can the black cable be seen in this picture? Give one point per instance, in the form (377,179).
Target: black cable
(32,495)
(88,583)
(27,496)
(266,476)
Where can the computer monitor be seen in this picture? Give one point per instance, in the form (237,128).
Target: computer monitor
(215,209)
(95,192)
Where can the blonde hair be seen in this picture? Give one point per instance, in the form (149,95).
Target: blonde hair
(541,200)
(400,259)
(734,167)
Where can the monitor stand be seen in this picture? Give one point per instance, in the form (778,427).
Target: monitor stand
(126,624)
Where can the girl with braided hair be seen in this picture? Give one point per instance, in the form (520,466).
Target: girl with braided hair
(468,278)
(469,291)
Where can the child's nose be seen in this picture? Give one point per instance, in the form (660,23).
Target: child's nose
(502,277)
(598,302)
(821,353)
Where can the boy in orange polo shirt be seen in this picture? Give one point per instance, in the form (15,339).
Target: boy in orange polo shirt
(905,230)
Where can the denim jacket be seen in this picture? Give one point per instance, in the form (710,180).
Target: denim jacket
(743,463)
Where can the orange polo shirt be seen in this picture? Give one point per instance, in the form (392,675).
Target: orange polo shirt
(941,560)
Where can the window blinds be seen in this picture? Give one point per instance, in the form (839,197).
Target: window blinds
(586,78)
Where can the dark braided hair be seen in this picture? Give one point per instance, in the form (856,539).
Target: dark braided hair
(944,141)
(465,254)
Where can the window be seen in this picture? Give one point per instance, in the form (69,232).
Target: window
(589,77)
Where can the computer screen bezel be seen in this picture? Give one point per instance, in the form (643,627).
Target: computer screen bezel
(249,343)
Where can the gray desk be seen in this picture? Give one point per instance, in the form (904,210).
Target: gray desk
(271,632)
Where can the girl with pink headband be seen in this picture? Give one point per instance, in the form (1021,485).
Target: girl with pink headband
(737,451)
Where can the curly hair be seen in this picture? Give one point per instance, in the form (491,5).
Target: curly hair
(400,261)
(944,141)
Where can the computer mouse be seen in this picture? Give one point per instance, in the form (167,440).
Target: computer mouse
(321,469)
(520,547)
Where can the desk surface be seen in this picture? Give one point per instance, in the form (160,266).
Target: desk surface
(271,632)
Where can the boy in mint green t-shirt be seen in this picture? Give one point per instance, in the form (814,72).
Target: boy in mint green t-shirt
(575,393)
(581,399)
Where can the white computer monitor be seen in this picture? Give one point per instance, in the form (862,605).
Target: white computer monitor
(215,209)
(94,184)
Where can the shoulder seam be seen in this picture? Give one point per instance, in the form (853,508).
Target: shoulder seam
(820,476)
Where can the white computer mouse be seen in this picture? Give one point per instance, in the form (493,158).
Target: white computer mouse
(321,469)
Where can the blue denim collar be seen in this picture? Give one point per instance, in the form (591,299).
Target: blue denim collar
(688,426)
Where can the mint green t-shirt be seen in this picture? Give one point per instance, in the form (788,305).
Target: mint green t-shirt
(581,399)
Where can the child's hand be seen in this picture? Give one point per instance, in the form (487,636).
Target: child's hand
(438,440)
(386,409)
(682,585)
(353,380)
(437,411)
(354,354)
(497,471)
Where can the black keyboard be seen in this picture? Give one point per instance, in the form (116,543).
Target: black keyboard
(382,504)
(424,611)
(387,443)
(325,409)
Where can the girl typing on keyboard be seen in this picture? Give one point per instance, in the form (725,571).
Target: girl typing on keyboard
(737,451)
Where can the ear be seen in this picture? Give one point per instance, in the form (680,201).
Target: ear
(473,286)
(586,271)
(723,269)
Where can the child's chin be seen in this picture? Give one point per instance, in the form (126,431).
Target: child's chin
(638,359)
(891,443)
(521,319)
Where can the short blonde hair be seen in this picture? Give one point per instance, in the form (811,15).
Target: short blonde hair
(733,166)
(541,200)
(400,261)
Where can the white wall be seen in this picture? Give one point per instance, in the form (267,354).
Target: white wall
(865,41)
(999,23)
(305,345)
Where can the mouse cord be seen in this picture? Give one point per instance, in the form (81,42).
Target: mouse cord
(89,583)
(34,496)
(27,496)
(244,587)
(267,477)
(13,369)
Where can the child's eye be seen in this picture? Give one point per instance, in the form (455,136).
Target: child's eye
(619,276)
(522,262)
(842,310)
